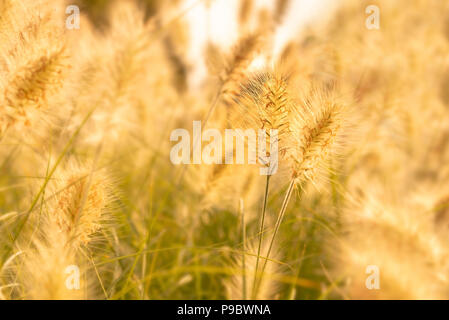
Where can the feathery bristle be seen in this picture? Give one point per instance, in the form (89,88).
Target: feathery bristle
(264,103)
(115,83)
(80,205)
(31,83)
(35,63)
(75,211)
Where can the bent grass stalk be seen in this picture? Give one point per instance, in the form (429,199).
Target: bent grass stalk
(47,179)
(278,223)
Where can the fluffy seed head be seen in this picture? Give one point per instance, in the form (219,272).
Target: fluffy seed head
(81,200)
(264,103)
(267,286)
(74,212)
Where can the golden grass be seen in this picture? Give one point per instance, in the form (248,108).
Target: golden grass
(362,118)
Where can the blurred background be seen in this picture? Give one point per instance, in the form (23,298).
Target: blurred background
(196,23)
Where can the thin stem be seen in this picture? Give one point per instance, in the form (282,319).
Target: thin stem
(243,249)
(278,222)
(262,222)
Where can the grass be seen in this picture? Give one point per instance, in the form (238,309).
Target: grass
(86,177)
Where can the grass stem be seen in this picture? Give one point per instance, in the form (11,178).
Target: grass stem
(262,223)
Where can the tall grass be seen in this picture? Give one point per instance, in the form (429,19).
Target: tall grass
(86,178)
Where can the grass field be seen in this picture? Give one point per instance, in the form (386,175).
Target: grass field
(92,205)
